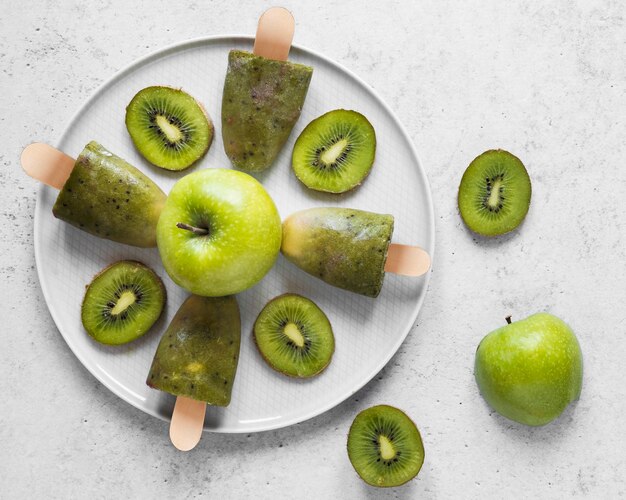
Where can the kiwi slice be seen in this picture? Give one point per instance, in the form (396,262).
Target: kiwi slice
(494,194)
(122,302)
(385,447)
(335,152)
(294,336)
(169,127)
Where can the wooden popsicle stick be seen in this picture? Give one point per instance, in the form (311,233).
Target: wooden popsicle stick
(47,164)
(187,423)
(274,34)
(407,260)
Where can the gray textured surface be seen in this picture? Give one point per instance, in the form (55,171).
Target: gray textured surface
(546,82)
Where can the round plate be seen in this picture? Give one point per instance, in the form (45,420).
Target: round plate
(368,331)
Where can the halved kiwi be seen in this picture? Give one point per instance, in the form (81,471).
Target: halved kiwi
(294,336)
(385,447)
(494,195)
(169,127)
(122,302)
(335,152)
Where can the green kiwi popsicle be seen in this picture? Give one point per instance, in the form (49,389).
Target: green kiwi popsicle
(108,197)
(198,353)
(344,247)
(261,103)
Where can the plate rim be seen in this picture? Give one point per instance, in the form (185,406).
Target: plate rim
(188,44)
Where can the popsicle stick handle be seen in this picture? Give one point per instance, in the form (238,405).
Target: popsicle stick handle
(274,34)
(407,260)
(187,423)
(47,164)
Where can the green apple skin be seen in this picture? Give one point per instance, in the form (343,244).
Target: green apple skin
(530,370)
(244,232)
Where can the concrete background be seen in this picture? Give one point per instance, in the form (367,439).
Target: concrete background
(546,81)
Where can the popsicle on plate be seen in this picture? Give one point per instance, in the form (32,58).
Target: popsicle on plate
(261,103)
(344,247)
(99,193)
(263,94)
(198,353)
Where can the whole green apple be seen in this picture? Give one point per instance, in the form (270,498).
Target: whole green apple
(219,232)
(530,370)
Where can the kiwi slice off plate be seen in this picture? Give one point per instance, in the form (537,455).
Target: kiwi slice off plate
(494,195)
(335,152)
(169,127)
(294,336)
(122,302)
(385,447)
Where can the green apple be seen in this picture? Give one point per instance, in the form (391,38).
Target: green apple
(219,232)
(530,370)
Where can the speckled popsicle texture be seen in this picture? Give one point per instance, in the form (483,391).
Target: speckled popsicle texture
(546,81)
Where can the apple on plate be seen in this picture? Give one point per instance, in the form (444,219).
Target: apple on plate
(530,370)
(219,232)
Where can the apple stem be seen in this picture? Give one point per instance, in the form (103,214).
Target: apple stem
(200,231)
(508,319)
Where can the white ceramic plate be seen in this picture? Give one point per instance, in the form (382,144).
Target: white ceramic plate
(368,331)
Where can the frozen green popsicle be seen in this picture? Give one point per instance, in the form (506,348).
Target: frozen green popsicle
(198,353)
(261,103)
(107,197)
(344,247)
